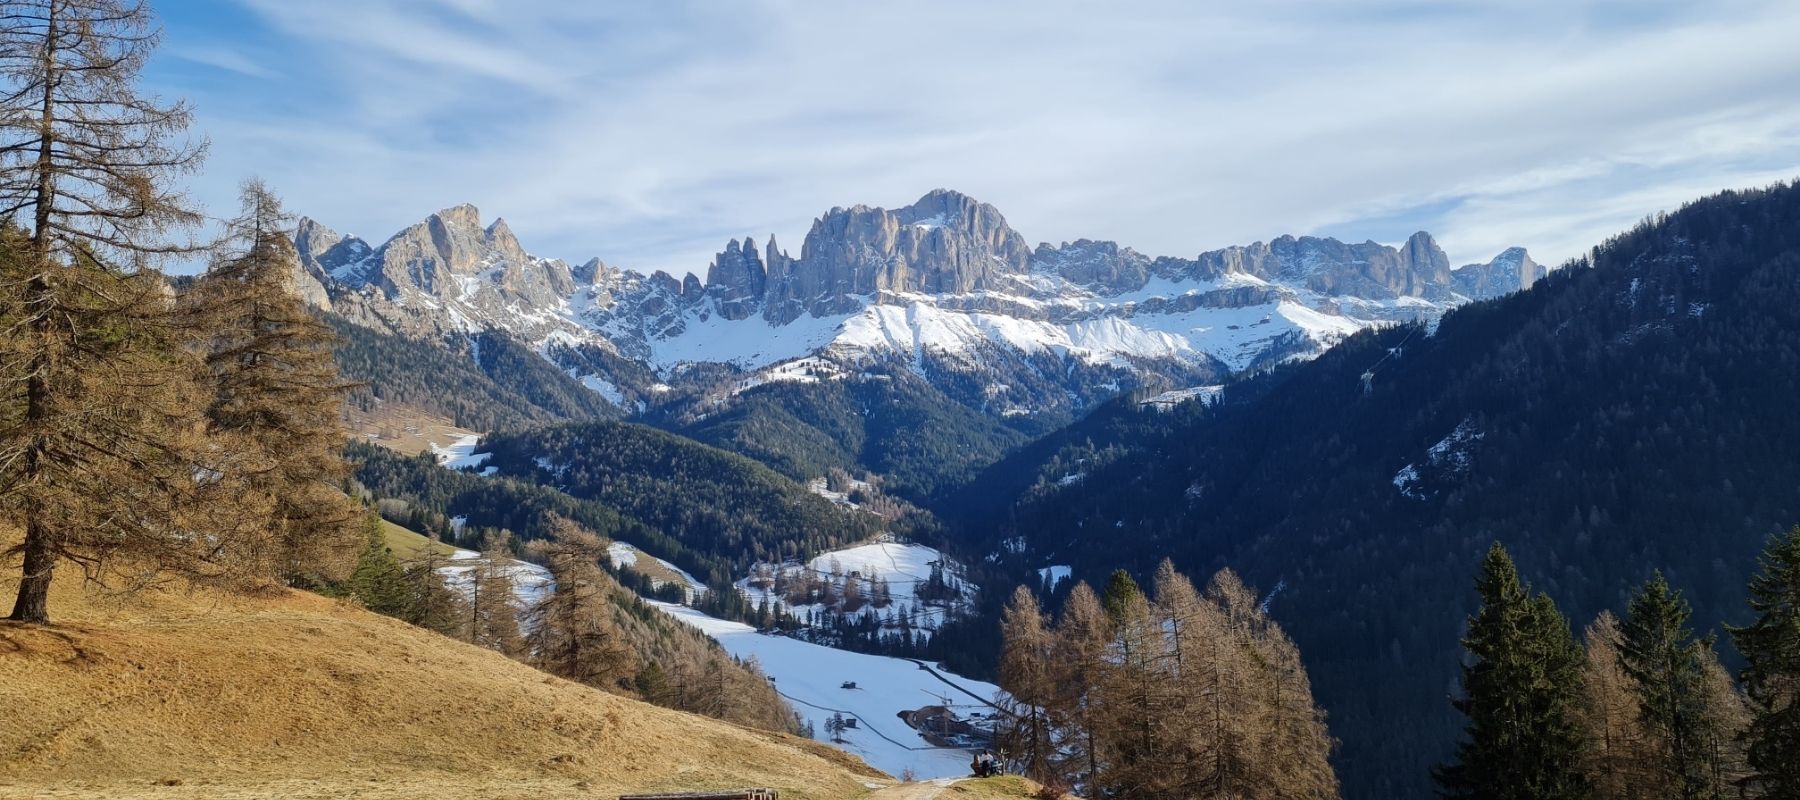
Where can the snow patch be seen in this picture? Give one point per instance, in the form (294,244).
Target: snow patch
(812,676)
(1171,399)
(461,454)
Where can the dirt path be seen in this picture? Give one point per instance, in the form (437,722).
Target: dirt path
(924,790)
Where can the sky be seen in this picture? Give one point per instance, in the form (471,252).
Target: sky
(649,133)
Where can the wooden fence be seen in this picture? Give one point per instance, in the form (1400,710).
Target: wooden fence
(725,794)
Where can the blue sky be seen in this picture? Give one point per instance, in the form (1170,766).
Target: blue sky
(649,133)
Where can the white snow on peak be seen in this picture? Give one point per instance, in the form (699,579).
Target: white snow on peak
(933,221)
(1055,574)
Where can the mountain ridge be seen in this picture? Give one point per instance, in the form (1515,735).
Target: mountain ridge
(943,283)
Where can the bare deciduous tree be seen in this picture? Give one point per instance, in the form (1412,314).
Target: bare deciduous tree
(277,399)
(572,634)
(96,448)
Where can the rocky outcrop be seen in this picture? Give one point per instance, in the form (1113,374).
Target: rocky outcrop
(1511,271)
(448,273)
(946,243)
(1104,267)
(737,279)
(1369,270)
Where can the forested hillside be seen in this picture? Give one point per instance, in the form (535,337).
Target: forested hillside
(889,422)
(713,501)
(1630,413)
(489,383)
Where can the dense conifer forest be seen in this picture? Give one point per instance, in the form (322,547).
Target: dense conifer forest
(1633,412)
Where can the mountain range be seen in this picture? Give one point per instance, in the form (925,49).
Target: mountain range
(943,288)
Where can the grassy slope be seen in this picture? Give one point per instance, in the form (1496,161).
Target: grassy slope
(408,545)
(178,694)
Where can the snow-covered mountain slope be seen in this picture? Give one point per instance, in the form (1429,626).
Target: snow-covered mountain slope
(901,584)
(812,678)
(944,286)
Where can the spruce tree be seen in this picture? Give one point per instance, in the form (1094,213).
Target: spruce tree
(1669,666)
(95,449)
(379,582)
(1771,675)
(1521,692)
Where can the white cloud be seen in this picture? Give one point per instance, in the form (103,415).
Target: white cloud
(648,135)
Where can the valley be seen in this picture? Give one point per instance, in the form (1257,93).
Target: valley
(1249,454)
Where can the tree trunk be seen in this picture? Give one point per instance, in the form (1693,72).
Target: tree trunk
(32,604)
(33,600)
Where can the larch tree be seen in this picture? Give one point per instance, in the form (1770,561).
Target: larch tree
(1619,752)
(1132,695)
(1173,697)
(1082,637)
(1521,694)
(1228,715)
(1193,628)
(1771,675)
(493,606)
(431,603)
(573,635)
(277,403)
(1027,677)
(96,445)
(1292,751)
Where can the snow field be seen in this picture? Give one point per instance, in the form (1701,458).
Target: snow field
(811,676)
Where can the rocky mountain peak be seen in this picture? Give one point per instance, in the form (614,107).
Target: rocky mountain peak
(737,279)
(1510,271)
(1100,265)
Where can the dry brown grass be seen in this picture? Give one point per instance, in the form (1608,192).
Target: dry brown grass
(402,429)
(177,694)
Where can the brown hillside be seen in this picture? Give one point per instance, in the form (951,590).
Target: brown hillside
(177,694)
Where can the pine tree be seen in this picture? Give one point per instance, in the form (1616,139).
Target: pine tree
(1771,676)
(95,447)
(573,635)
(1676,697)
(278,400)
(1521,694)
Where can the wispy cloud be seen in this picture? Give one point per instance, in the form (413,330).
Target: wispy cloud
(648,133)
(224,58)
